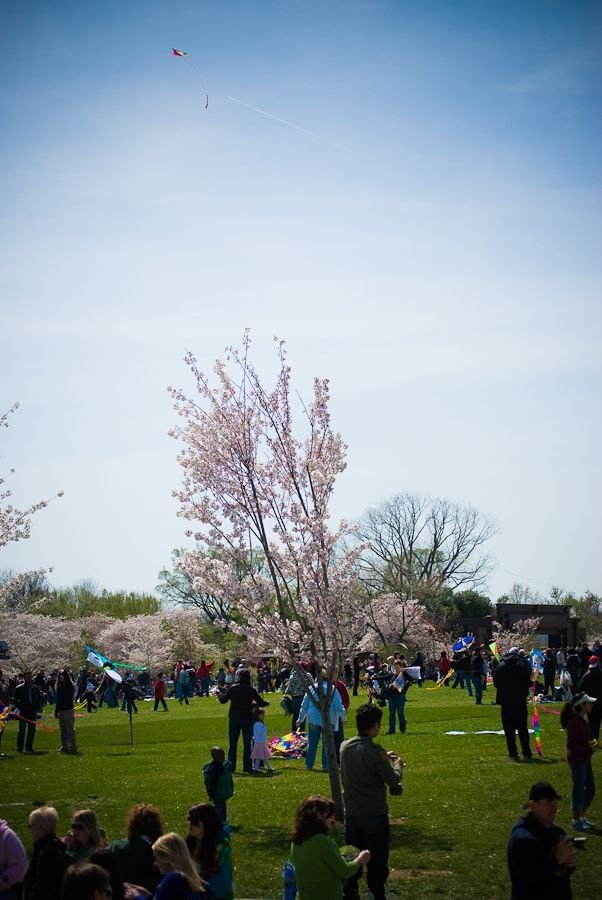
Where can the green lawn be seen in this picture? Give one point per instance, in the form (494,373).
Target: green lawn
(449,828)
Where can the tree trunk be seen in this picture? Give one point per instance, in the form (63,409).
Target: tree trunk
(331,760)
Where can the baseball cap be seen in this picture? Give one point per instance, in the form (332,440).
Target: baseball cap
(593,661)
(542,790)
(513,650)
(584,698)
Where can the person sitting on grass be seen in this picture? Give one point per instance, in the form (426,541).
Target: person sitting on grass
(49,858)
(107,860)
(320,869)
(134,854)
(180,879)
(85,835)
(86,882)
(209,847)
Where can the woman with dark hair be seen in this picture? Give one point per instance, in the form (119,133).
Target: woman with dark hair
(64,712)
(134,854)
(209,847)
(86,882)
(579,750)
(243,699)
(106,859)
(320,868)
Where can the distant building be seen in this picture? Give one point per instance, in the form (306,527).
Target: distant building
(559,626)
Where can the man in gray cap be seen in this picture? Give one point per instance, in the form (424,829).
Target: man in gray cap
(512,679)
(541,857)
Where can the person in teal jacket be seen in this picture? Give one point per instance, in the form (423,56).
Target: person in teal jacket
(319,867)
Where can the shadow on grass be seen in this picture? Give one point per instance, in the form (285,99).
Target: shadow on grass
(411,838)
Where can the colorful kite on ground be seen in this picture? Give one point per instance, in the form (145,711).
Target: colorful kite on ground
(289,746)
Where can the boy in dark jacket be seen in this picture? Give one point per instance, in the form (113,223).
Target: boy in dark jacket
(219,784)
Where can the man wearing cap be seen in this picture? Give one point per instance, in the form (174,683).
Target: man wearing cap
(541,856)
(591,684)
(512,679)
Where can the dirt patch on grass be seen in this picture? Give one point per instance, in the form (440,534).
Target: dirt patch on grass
(408,874)
(400,820)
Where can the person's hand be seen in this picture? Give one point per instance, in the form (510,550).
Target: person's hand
(362,858)
(564,851)
(132,891)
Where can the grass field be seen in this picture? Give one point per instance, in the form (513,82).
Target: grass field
(449,829)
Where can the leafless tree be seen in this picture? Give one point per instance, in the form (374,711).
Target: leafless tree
(419,545)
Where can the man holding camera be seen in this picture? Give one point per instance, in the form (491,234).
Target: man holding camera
(541,857)
(366,772)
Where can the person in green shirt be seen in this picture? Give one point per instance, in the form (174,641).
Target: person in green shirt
(320,869)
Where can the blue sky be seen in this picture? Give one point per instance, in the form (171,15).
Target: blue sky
(432,248)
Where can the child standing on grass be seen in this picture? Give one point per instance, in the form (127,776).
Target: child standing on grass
(260,752)
(219,784)
(579,749)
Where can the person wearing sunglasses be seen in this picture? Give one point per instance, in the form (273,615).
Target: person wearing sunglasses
(85,836)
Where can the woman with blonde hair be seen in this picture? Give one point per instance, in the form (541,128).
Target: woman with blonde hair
(85,835)
(181,880)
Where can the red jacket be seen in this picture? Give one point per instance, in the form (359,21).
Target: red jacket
(578,748)
(342,689)
(159,689)
(203,671)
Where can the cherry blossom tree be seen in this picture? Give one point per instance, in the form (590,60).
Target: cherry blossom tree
(139,640)
(40,642)
(253,485)
(522,634)
(15,524)
(390,622)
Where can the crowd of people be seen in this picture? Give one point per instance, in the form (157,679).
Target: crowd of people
(150,864)
(147,863)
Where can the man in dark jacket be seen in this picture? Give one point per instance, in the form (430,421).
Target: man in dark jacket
(591,683)
(26,698)
(541,857)
(512,679)
(243,697)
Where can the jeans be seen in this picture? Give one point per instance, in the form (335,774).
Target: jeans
(370,833)
(339,737)
(397,704)
(296,705)
(221,810)
(584,786)
(312,747)
(514,718)
(468,681)
(30,727)
(66,719)
(477,680)
(235,727)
